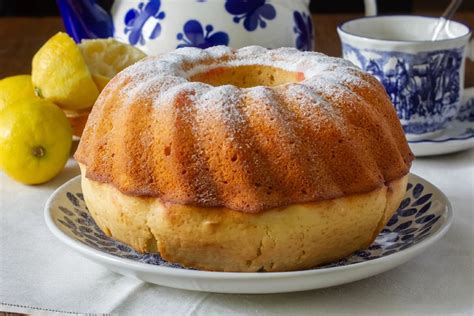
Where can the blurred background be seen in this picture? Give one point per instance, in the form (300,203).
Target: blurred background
(48,7)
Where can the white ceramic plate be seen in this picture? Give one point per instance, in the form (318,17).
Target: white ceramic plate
(424,217)
(459,135)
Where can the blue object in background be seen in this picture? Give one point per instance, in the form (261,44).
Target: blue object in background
(85,19)
(160,26)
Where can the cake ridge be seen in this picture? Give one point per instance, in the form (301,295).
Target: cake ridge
(155,133)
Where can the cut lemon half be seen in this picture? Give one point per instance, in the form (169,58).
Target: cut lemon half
(107,57)
(60,74)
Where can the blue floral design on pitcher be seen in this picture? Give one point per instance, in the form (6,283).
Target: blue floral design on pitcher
(421,86)
(304,30)
(194,36)
(253,12)
(136,19)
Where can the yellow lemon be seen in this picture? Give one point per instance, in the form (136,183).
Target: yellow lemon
(35,140)
(107,57)
(15,88)
(60,74)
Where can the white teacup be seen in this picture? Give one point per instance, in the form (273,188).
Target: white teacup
(424,78)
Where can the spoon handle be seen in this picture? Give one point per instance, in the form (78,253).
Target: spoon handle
(447,14)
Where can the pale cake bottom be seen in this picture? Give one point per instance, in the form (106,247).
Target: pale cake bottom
(296,237)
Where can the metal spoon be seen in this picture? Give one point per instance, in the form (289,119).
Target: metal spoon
(447,14)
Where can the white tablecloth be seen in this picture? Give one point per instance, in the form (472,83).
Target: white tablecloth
(39,274)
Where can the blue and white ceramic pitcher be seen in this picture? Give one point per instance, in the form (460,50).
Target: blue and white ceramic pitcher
(158,26)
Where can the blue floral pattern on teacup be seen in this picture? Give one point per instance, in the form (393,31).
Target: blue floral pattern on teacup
(254,12)
(412,223)
(466,111)
(136,19)
(194,36)
(424,87)
(304,30)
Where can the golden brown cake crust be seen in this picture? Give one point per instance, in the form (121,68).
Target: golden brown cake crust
(152,133)
(297,237)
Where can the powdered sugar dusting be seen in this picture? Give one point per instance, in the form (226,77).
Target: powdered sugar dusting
(219,104)
(162,77)
(309,98)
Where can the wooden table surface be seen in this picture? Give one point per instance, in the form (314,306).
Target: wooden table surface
(22,37)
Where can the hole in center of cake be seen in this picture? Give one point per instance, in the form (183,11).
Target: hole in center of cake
(248,76)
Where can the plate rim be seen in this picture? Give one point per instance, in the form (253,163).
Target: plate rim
(89,251)
(452,138)
(433,148)
(446,140)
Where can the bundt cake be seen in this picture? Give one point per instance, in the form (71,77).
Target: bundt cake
(244,160)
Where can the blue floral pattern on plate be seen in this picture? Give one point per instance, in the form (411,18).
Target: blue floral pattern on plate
(304,30)
(194,36)
(412,222)
(419,85)
(135,19)
(253,12)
